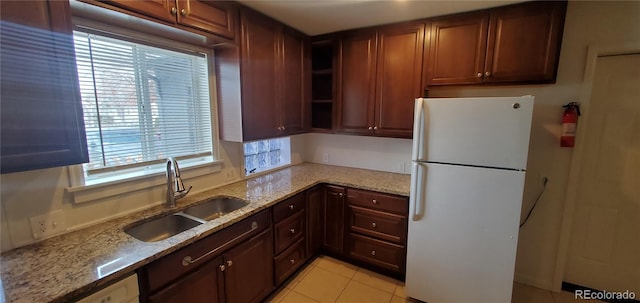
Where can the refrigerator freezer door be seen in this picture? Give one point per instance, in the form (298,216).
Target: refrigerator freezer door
(491,132)
(462,248)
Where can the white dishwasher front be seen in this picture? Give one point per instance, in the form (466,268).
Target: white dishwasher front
(123,291)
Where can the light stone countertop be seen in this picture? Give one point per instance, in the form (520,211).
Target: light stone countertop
(75,264)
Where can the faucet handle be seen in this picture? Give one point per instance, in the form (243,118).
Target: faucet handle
(182,193)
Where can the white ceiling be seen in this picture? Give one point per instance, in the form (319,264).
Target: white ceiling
(314,17)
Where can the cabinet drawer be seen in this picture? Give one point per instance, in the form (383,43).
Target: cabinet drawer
(378,253)
(289,231)
(289,261)
(384,226)
(378,201)
(288,207)
(170,267)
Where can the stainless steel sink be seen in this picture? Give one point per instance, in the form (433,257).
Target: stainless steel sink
(161,228)
(215,208)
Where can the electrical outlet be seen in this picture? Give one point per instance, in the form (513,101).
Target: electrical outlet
(325,157)
(48,224)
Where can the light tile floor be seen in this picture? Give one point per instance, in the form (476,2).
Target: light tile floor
(329,280)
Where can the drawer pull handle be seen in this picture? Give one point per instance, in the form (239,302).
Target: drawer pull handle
(293,231)
(292,261)
(374,201)
(291,207)
(373,252)
(188,260)
(374,225)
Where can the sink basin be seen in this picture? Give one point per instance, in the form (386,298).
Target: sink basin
(161,228)
(215,208)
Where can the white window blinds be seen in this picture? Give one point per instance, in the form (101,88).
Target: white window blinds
(141,104)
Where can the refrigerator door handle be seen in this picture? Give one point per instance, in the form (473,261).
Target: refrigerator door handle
(417,193)
(418,130)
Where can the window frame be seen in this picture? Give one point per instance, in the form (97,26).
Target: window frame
(148,176)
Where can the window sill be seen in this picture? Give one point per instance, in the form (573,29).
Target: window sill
(88,193)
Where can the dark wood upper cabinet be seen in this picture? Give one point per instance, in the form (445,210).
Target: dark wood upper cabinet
(216,17)
(295,82)
(525,42)
(512,44)
(260,58)
(380,77)
(263,85)
(41,123)
(357,82)
(399,79)
(457,48)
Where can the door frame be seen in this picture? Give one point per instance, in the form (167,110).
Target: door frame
(593,53)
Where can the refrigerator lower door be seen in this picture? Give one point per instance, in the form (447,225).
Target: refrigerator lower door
(462,244)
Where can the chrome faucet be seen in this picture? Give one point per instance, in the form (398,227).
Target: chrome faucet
(173,178)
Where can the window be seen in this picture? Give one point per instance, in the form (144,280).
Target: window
(263,155)
(141,105)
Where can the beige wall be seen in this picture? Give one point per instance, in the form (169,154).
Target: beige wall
(587,22)
(38,192)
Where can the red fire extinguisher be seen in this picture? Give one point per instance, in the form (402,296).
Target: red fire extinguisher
(569,123)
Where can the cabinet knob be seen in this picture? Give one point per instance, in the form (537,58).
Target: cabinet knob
(479,75)
(292,261)
(293,231)
(373,252)
(374,201)
(183,12)
(283,128)
(375,127)
(229,263)
(374,225)
(487,74)
(340,194)
(222,267)
(370,127)
(291,207)
(174,10)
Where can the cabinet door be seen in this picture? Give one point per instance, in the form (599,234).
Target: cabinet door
(41,118)
(399,77)
(160,9)
(334,206)
(314,209)
(249,270)
(515,56)
(295,82)
(211,16)
(259,60)
(357,83)
(457,49)
(201,286)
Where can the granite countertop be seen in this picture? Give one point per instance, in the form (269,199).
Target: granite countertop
(75,264)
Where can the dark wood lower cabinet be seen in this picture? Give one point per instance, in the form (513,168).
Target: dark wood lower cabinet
(315,199)
(201,286)
(333,219)
(248,275)
(245,262)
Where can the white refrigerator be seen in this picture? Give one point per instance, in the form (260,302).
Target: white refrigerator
(468,169)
